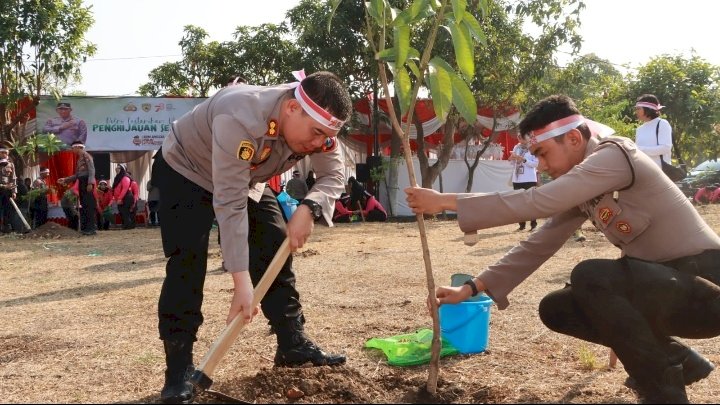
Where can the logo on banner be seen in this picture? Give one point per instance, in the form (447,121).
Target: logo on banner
(136,140)
(130,107)
(146,107)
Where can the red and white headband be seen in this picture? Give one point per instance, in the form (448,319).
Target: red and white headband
(556,128)
(652,106)
(318,113)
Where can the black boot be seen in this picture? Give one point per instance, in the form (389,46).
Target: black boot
(695,366)
(178,358)
(669,389)
(296,349)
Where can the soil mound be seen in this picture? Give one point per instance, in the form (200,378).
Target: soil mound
(51,230)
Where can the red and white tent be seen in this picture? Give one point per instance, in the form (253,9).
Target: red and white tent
(362,137)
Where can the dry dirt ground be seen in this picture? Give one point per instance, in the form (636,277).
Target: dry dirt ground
(79,322)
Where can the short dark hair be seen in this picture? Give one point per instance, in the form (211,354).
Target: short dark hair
(77,142)
(649,98)
(329,92)
(551,109)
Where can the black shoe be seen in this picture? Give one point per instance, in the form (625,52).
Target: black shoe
(306,352)
(695,368)
(521,228)
(668,390)
(89,233)
(177,388)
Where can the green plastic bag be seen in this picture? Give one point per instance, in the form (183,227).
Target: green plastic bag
(410,349)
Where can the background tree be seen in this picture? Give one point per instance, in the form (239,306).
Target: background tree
(521,41)
(263,55)
(599,90)
(42,45)
(688,87)
(195,75)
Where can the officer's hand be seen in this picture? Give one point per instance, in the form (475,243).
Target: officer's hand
(89,188)
(300,227)
(449,295)
(423,200)
(242,302)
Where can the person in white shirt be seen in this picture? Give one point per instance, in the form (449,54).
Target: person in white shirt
(654,136)
(524,174)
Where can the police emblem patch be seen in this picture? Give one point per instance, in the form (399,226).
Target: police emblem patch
(265,153)
(605,214)
(623,227)
(329,144)
(245,151)
(272,128)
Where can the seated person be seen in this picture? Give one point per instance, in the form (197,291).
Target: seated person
(373,210)
(342,213)
(705,195)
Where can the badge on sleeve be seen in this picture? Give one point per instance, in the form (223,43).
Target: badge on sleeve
(265,154)
(329,145)
(245,151)
(272,128)
(605,214)
(623,227)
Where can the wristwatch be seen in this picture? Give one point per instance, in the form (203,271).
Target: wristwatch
(315,208)
(473,287)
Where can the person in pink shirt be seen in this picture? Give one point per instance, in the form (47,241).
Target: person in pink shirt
(105,199)
(342,213)
(123,196)
(707,195)
(373,210)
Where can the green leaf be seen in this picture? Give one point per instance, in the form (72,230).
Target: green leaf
(376,9)
(459,7)
(464,52)
(413,67)
(474,28)
(418,10)
(463,99)
(440,85)
(403,89)
(483,6)
(401,42)
(333,6)
(387,54)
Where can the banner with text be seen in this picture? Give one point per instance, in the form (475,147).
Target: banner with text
(112,123)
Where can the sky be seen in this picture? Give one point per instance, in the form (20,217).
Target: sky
(135,36)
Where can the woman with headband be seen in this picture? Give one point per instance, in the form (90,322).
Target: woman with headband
(654,136)
(214,163)
(666,282)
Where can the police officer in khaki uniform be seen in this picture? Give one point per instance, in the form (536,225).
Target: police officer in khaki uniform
(667,282)
(85,175)
(8,191)
(214,163)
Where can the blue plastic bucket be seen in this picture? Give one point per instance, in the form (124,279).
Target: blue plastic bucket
(466,325)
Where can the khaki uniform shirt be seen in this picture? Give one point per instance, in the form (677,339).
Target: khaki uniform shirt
(651,220)
(8,179)
(230,146)
(84,167)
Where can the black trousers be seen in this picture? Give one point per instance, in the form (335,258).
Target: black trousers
(87,200)
(635,307)
(128,222)
(187,216)
(7,212)
(525,186)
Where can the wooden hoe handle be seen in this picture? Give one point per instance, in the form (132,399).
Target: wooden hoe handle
(201,377)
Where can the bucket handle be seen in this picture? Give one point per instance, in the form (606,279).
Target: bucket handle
(484,307)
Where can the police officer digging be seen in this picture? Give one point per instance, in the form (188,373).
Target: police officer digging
(666,284)
(214,163)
